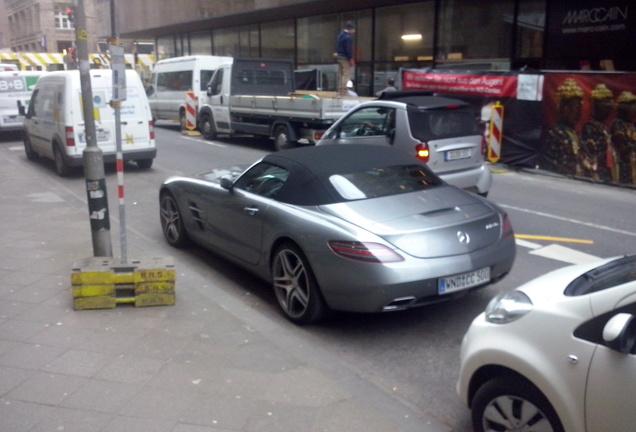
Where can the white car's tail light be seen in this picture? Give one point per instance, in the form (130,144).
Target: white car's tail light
(363,251)
(508,307)
(70,137)
(151,126)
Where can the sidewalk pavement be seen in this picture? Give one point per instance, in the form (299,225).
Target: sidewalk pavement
(206,364)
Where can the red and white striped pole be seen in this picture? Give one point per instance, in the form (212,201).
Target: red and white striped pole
(496,133)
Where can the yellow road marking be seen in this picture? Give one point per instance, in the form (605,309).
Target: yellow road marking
(556,239)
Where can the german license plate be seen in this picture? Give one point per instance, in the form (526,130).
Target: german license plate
(463,281)
(464,153)
(103,135)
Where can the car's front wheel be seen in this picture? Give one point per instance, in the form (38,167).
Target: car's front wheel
(295,286)
(171,221)
(511,403)
(208,129)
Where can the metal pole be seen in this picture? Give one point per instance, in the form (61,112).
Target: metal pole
(93,157)
(116,105)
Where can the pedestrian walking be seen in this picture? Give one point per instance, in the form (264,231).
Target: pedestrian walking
(344,55)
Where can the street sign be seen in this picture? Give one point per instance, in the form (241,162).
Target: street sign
(118,65)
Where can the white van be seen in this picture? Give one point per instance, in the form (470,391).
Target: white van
(15,86)
(173,77)
(54,122)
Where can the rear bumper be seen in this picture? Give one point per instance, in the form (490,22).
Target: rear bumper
(128,155)
(477,180)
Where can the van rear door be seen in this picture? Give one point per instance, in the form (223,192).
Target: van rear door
(135,114)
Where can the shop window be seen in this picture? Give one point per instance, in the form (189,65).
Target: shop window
(470,30)
(278,39)
(405,33)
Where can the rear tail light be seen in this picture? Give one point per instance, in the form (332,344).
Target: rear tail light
(365,252)
(151,127)
(484,145)
(506,230)
(318,136)
(70,137)
(423,152)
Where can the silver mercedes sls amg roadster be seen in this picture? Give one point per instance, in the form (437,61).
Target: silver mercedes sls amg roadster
(351,228)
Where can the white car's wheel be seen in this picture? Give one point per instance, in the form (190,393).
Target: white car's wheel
(510,403)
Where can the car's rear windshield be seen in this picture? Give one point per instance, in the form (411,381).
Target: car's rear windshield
(614,273)
(385,181)
(443,123)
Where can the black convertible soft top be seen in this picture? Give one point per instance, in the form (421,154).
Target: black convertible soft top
(310,168)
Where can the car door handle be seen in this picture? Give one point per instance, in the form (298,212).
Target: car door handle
(251,210)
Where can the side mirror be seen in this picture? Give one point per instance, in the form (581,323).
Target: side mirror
(227,181)
(620,333)
(209,90)
(21,109)
(150,90)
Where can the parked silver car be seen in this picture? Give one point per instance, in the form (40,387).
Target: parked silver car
(443,132)
(353,228)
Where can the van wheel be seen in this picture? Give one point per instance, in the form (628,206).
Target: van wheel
(144,163)
(281,139)
(31,154)
(208,129)
(182,120)
(62,169)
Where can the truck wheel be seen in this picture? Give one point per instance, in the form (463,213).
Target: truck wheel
(31,154)
(61,168)
(281,139)
(208,129)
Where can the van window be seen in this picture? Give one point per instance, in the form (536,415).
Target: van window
(206,76)
(43,101)
(215,84)
(174,81)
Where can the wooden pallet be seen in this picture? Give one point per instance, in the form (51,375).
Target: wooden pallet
(102,283)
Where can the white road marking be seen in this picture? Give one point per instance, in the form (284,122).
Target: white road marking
(574,221)
(46,197)
(16,148)
(526,243)
(204,141)
(565,254)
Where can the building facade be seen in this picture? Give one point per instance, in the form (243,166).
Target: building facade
(39,26)
(393,34)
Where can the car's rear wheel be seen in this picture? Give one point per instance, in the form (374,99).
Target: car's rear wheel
(62,169)
(145,163)
(171,221)
(511,403)
(295,286)
(31,154)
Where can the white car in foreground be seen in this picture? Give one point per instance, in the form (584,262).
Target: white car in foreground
(557,354)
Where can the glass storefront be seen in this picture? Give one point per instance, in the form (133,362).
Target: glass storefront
(464,34)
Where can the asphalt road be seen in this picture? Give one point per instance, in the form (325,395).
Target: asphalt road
(413,355)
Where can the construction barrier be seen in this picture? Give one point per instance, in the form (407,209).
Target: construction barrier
(100,283)
(191,110)
(495,133)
